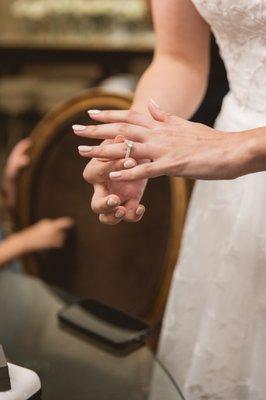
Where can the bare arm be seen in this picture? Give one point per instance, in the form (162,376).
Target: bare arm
(176,79)
(178,75)
(43,235)
(11,248)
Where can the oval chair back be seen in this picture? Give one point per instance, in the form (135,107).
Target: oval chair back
(128,266)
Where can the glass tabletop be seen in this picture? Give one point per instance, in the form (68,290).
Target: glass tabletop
(70,367)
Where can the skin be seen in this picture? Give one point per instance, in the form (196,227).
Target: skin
(43,235)
(17,161)
(181,61)
(46,234)
(176,147)
(176,79)
(113,201)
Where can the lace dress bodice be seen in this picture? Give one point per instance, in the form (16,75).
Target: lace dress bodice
(240,30)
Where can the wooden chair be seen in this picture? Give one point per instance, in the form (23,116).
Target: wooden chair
(128,266)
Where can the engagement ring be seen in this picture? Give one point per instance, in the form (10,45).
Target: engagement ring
(129,145)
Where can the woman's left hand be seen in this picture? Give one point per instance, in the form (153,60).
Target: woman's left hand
(176,147)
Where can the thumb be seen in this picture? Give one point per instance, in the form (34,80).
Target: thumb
(157,113)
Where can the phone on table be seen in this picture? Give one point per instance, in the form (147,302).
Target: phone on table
(106,324)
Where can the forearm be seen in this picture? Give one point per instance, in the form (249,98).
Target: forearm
(13,247)
(254,153)
(175,84)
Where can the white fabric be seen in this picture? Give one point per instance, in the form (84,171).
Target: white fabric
(214,335)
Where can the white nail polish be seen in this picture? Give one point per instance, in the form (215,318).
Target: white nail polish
(94,112)
(111,202)
(115,174)
(119,214)
(129,164)
(140,211)
(79,128)
(85,149)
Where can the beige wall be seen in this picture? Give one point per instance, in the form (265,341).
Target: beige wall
(4,14)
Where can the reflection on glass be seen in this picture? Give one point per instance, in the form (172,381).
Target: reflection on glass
(71,367)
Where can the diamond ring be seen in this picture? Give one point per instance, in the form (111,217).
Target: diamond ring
(129,146)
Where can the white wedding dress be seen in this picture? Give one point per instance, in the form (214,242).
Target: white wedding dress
(214,335)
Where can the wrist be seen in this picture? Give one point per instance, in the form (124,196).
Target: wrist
(255,150)
(22,242)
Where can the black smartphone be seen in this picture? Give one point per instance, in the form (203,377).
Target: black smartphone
(103,323)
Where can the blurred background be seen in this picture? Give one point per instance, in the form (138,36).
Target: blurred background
(53,51)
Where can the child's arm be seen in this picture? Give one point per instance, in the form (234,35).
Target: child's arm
(40,236)
(13,247)
(17,160)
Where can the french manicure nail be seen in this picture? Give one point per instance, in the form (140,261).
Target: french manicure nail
(115,174)
(119,214)
(79,128)
(94,112)
(140,211)
(129,164)
(111,202)
(85,149)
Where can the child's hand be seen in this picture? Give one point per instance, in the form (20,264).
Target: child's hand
(46,234)
(17,160)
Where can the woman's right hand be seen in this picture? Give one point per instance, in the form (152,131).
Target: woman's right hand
(46,234)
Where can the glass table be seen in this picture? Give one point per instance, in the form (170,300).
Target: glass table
(70,367)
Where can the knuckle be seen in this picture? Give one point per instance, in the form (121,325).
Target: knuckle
(157,127)
(144,147)
(131,114)
(88,174)
(121,128)
(148,167)
(100,151)
(94,207)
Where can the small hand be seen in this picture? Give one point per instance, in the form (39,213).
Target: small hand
(176,147)
(47,234)
(17,160)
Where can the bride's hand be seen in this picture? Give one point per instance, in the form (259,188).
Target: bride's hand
(114,201)
(176,147)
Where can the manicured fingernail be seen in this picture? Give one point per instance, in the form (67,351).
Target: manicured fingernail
(140,211)
(129,164)
(119,214)
(154,103)
(94,112)
(79,128)
(115,174)
(84,149)
(111,202)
